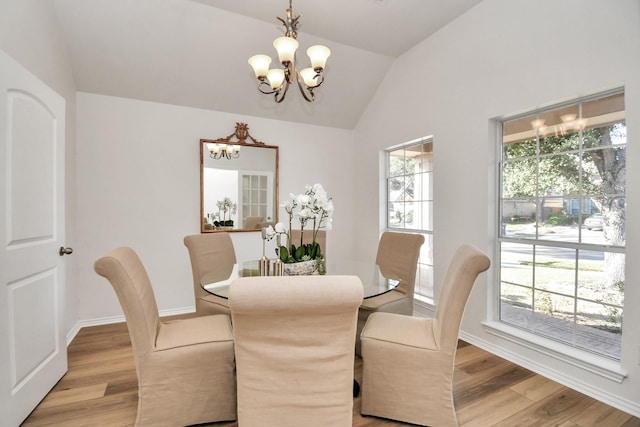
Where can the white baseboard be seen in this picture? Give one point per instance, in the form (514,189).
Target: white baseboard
(118,319)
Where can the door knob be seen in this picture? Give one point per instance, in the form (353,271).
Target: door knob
(65,251)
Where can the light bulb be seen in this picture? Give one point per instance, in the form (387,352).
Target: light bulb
(308,76)
(318,55)
(260,64)
(276,78)
(286,47)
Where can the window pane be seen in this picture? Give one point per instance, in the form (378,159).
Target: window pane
(519,137)
(516,306)
(603,168)
(603,113)
(555,269)
(555,223)
(558,143)
(517,264)
(560,131)
(598,332)
(554,315)
(558,175)
(519,179)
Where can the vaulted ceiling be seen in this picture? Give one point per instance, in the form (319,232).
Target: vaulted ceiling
(194,52)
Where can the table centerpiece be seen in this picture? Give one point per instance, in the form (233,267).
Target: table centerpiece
(314,211)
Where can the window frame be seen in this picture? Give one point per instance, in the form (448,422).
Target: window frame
(424,276)
(596,361)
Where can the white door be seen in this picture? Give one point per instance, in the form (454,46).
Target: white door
(257,195)
(33,354)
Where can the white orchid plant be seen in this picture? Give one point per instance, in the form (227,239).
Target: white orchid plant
(314,211)
(225,206)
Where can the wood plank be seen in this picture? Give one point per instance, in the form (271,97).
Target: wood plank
(536,387)
(79,394)
(561,407)
(485,412)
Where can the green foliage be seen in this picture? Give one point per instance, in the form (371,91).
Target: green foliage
(561,219)
(543,302)
(561,167)
(304,252)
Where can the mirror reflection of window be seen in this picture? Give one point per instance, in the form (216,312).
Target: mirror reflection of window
(257,197)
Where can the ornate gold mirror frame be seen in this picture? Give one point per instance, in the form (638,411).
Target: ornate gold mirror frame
(238,183)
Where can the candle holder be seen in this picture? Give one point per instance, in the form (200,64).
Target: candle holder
(277,263)
(263,264)
(277,267)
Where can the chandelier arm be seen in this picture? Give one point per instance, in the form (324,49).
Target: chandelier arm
(282,92)
(266,84)
(320,79)
(303,91)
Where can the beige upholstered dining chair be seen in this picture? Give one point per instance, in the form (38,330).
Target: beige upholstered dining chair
(212,259)
(408,361)
(251,222)
(397,258)
(307,237)
(185,367)
(294,344)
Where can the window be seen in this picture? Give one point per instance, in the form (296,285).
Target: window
(562,222)
(409,179)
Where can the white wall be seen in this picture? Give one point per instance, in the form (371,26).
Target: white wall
(139,185)
(503,57)
(29,33)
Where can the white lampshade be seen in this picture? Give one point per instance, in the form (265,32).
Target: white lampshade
(229,149)
(236,148)
(318,55)
(213,148)
(308,75)
(276,78)
(286,47)
(260,64)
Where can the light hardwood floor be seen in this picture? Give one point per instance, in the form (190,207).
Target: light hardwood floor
(100,389)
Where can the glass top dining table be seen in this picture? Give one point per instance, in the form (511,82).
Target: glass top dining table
(380,285)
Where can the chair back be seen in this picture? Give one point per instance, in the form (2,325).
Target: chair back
(124,270)
(294,345)
(251,222)
(212,259)
(307,237)
(465,266)
(397,258)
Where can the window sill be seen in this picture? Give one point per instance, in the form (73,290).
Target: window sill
(601,366)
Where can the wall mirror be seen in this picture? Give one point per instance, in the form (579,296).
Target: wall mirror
(238,183)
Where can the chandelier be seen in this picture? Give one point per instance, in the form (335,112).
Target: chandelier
(277,81)
(223,151)
(224,148)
